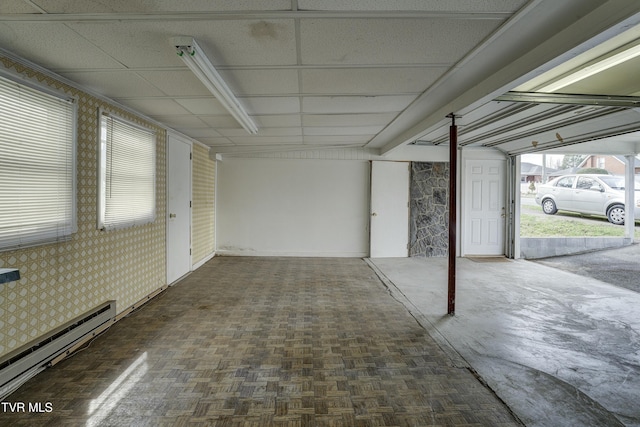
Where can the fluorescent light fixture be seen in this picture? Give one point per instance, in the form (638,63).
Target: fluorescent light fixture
(593,69)
(192,55)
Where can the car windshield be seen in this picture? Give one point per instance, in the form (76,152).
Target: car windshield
(615,182)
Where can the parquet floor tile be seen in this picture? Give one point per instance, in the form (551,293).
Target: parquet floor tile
(264,342)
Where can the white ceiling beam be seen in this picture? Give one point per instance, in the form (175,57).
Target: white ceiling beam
(466,90)
(259,15)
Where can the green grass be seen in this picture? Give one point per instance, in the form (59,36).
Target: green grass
(566,224)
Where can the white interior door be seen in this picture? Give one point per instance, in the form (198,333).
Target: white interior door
(484,207)
(389,209)
(178,208)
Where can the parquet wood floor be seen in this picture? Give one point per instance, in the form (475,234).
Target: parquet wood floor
(264,342)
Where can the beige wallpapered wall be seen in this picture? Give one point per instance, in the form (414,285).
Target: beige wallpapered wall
(62,281)
(203,194)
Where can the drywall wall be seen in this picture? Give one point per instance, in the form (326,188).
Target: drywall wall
(286,207)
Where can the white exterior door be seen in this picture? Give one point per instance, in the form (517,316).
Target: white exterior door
(389,209)
(178,208)
(484,207)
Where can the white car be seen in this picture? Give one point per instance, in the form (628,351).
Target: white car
(588,194)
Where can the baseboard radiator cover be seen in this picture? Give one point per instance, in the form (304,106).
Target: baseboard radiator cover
(22,364)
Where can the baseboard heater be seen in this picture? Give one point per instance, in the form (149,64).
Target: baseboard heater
(22,364)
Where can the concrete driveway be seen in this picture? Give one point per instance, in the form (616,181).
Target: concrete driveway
(619,267)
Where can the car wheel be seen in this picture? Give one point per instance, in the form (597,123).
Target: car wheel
(549,207)
(615,214)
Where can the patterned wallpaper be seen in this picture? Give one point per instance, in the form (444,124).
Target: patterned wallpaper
(203,207)
(62,281)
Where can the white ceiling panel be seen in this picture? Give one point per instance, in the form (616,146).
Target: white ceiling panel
(175,82)
(217,122)
(355,104)
(272,105)
(414,5)
(203,133)
(265,140)
(265,132)
(334,140)
(182,122)
(261,82)
(373,119)
(93,6)
(284,120)
(115,84)
(59,48)
(212,142)
(202,106)
(147,44)
(340,72)
(16,6)
(157,107)
(342,130)
(356,81)
(390,41)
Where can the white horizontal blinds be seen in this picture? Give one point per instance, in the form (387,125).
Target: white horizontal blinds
(37,138)
(129,178)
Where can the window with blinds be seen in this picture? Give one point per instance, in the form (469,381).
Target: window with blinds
(127,178)
(37,165)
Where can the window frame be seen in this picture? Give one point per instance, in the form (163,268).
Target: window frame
(102,222)
(45,235)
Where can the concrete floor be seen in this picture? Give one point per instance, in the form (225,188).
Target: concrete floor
(559,348)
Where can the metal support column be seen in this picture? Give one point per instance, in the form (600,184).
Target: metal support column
(630,203)
(453,173)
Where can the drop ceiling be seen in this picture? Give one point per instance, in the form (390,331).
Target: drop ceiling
(315,74)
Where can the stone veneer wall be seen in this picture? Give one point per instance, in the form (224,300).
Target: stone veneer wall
(429,209)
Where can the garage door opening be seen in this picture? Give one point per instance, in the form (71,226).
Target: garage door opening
(573,203)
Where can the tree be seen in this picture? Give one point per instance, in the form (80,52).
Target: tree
(572,161)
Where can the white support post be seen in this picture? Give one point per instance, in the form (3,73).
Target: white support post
(629,202)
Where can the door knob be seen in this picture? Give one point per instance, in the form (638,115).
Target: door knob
(172,215)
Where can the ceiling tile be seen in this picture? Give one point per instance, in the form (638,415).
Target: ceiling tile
(227,43)
(266,132)
(262,140)
(390,41)
(175,83)
(261,82)
(53,46)
(93,6)
(270,105)
(356,104)
(373,119)
(201,133)
(342,130)
(414,5)
(341,139)
(284,120)
(114,84)
(202,106)
(16,6)
(156,107)
(226,121)
(213,142)
(182,122)
(370,80)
